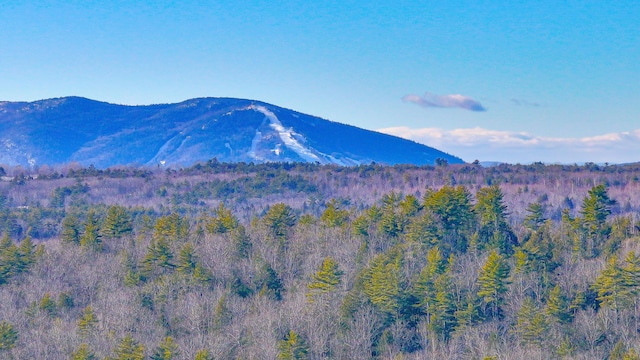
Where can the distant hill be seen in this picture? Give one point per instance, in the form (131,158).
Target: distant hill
(75,129)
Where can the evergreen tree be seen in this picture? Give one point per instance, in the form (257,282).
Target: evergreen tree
(557,306)
(241,242)
(631,274)
(269,283)
(279,219)
(382,281)
(117,223)
(409,207)
(390,222)
(492,282)
(333,215)
(325,279)
(5,243)
(468,313)
(424,289)
(442,319)
(167,350)
(87,322)
(8,336)
(83,353)
(26,254)
(632,354)
(452,206)
(492,213)
(292,347)
(610,284)
(47,305)
(423,229)
(10,261)
(531,323)
(535,217)
(91,237)
(221,314)
(596,207)
(65,301)
(618,352)
(71,229)
(203,355)
(202,275)
(539,248)
(613,287)
(186,259)
(159,256)
(171,228)
(129,349)
(222,221)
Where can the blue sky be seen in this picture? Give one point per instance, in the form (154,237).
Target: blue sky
(516,81)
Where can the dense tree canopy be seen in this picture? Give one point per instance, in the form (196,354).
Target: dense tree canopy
(370,262)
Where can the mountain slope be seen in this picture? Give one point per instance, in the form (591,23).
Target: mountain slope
(74,129)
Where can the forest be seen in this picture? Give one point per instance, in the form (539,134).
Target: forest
(308,261)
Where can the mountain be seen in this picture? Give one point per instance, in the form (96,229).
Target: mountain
(75,129)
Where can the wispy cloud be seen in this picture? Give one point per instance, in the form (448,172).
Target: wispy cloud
(521,102)
(445,101)
(521,147)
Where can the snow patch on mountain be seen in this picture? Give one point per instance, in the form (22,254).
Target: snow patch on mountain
(290,139)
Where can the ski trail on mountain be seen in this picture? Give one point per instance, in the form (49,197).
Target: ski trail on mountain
(287,136)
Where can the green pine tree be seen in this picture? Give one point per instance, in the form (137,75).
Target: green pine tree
(158,257)
(492,282)
(494,231)
(48,305)
(83,352)
(91,237)
(171,228)
(442,319)
(222,221)
(8,336)
(333,215)
(167,350)
(71,229)
(612,287)
(390,222)
(596,207)
(292,347)
(382,281)
(203,355)
(557,306)
(202,275)
(87,322)
(117,222)
(279,219)
(531,323)
(535,217)
(26,254)
(325,279)
(221,314)
(186,259)
(129,349)
(632,354)
(455,214)
(269,283)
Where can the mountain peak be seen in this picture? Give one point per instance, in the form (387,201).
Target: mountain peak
(76,129)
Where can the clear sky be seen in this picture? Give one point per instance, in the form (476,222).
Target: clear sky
(516,81)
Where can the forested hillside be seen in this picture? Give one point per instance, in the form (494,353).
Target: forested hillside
(304,261)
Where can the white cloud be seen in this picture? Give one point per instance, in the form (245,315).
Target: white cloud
(520,147)
(445,101)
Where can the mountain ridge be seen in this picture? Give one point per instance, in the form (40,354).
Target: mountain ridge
(91,132)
